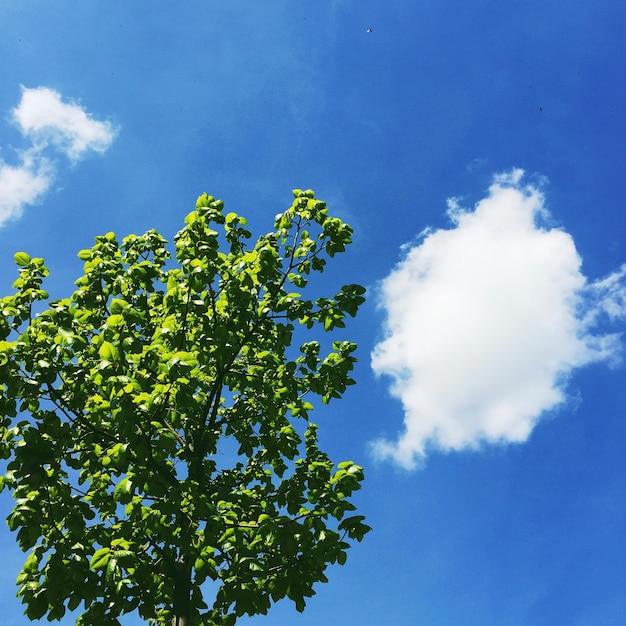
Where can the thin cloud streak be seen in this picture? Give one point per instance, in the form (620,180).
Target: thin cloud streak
(51,127)
(486,322)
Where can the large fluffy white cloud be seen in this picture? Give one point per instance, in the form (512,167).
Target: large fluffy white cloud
(485,322)
(50,126)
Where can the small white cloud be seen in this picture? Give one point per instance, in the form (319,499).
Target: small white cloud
(46,122)
(485,323)
(46,119)
(23,185)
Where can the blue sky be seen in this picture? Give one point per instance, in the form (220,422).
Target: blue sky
(477,148)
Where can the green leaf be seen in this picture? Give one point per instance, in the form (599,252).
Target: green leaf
(108,352)
(123,491)
(74,601)
(21,259)
(100,559)
(36,607)
(118,305)
(111,568)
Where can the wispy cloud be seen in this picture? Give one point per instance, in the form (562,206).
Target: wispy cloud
(51,127)
(486,321)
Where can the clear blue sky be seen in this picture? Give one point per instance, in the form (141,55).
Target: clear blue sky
(489,410)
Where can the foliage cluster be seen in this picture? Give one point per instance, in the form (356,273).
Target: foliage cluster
(150,422)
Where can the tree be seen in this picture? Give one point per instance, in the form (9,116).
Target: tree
(156,423)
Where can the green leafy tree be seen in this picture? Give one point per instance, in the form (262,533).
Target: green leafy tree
(156,425)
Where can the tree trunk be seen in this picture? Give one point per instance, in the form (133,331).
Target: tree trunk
(182,593)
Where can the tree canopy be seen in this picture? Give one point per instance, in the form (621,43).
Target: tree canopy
(155,424)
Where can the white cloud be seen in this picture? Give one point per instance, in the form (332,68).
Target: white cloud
(46,122)
(486,321)
(22,185)
(46,119)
